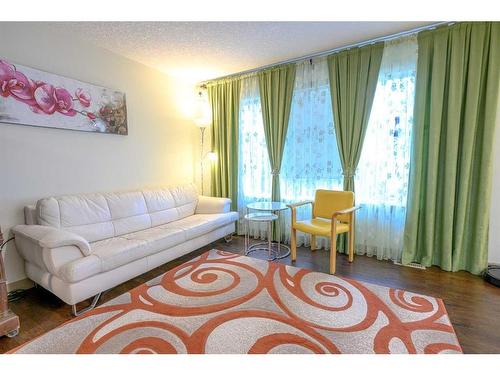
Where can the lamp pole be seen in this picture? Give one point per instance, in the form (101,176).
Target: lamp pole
(202,130)
(202,120)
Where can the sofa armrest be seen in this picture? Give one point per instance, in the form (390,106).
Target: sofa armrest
(50,237)
(213,205)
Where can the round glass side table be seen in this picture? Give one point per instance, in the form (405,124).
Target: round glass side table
(279,249)
(260,217)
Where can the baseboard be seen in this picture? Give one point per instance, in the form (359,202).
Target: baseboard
(411,265)
(20,284)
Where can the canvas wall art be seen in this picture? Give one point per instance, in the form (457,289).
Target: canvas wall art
(32,97)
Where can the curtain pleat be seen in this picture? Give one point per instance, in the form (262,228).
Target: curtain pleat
(224,98)
(276,90)
(353,78)
(457,88)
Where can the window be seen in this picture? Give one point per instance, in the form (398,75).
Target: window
(311,159)
(381,182)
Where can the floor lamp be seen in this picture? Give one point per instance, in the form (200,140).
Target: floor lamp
(203,120)
(9,322)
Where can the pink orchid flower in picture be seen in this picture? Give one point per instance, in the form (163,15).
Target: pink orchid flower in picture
(15,83)
(83,97)
(33,97)
(50,99)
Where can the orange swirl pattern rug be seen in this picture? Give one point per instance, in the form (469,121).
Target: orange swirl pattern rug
(222,302)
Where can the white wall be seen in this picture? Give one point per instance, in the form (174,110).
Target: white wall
(494,238)
(36,162)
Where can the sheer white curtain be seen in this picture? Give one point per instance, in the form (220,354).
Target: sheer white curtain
(254,177)
(382,175)
(311,160)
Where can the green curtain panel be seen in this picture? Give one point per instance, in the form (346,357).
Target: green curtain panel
(456,103)
(276,90)
(353,79)
(224,98)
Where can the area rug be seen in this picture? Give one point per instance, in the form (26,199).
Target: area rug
(222,302)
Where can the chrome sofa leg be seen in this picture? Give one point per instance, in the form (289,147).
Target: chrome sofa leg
(88,308)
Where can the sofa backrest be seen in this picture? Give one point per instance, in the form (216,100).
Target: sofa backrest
(103,215)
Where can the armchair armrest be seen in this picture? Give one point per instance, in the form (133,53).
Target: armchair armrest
(49,237)
(293,208)
(212,205)
(345,211)
(298,204)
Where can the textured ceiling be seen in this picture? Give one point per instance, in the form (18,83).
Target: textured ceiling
(201,50)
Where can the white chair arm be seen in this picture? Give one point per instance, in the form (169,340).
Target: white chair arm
(50,237)
(213,205)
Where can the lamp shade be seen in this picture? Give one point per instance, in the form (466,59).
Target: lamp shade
(202,122)
(203,112)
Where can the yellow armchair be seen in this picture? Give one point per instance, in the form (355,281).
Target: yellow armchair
(332,214)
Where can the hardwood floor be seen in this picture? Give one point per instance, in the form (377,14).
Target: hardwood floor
(472,304)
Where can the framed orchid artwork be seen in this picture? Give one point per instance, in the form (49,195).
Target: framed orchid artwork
(32,97)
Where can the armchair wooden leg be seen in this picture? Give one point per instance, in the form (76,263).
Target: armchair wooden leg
(293,245)
(313,242)
(333,254)
(351,244)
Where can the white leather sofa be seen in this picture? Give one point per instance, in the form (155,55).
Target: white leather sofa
(78,246)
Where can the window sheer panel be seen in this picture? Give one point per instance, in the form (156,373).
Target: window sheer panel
(383,170)
(254,179)
(311,160)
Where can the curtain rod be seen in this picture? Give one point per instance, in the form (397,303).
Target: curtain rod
(330,51)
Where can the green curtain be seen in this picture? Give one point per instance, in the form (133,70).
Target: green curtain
(276,90)
(224,97)
(353,79)
(456,102)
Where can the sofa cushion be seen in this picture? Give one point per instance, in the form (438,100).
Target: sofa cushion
(126,204)
(158,238)
(87,215)
(114,252)
(167,205)
(83,209)
(117,251)
(128,212)
(200,224)
(80,269)
(161,206)
(186,199)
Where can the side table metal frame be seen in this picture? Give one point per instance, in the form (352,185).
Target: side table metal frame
(276,246)
(264,246)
